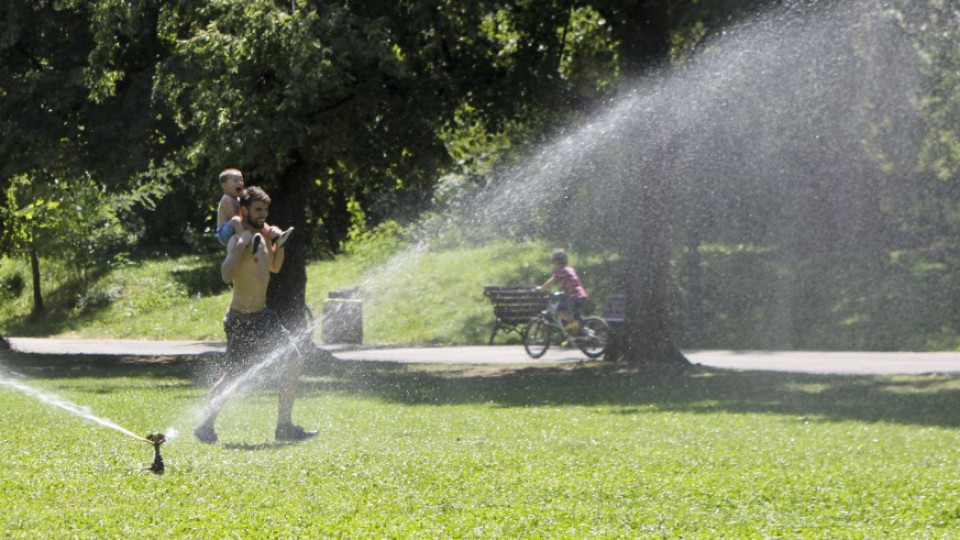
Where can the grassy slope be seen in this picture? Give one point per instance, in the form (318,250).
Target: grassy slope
(434,297)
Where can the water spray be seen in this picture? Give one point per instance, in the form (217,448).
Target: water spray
(156,439)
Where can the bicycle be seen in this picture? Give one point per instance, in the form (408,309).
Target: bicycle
(539,333)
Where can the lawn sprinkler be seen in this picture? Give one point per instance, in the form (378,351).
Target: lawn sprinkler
(157,439)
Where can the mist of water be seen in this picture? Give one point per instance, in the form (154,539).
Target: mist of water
(758,112)
(376,282)
(783,131)
(814,102)
(373,284)
(13,381)
(759,109)
(251,376)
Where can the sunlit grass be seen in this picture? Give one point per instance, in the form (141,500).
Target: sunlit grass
(433,297)
(423,452)
(169,298)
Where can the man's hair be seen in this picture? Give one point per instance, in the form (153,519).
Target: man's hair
(559,257)
(253,193)
(227,174)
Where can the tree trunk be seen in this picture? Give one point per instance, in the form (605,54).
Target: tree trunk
(288,288)
(35,273)
(646,336)
(694,319)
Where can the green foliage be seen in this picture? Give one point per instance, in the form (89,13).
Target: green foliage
(43,216)
(369,113)
(472,148)
(76,219)
(371,246)
(448,451)
(12,283)
(590,61)
(933,26)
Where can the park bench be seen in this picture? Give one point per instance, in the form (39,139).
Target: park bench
(614,309)
(513,307)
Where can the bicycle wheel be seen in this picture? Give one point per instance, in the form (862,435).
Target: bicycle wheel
(594,339)
(536,337)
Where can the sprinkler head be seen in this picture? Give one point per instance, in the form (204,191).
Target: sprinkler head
(157,439)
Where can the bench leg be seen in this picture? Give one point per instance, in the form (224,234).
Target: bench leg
(496,328)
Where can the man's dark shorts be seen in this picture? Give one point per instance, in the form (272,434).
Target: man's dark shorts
(252,337)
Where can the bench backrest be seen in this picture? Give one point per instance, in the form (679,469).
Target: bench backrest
(514,305)
(615,307)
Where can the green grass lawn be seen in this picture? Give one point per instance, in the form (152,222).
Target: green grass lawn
(410,451)
(451,451)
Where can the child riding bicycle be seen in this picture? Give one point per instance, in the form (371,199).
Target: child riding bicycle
(574,296)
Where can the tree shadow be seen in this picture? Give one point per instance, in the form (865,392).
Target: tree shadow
(924,400)
(257,447)
(71,366)
(478,328)
(201,280)
(68,306)
(73,303)
(927,400)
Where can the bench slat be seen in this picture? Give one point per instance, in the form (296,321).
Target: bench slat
(614,308)
(513,306)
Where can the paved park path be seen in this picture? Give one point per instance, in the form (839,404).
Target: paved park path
(862,363)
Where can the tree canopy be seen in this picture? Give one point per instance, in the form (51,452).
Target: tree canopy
(816,130)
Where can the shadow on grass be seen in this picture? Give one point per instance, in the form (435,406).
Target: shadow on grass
(51,366)
(478,329)
(69,306)
(74,303)
(929,400)
(905,399)
(256,447)
(200,280)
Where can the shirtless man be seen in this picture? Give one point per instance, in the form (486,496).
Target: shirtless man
(253,330)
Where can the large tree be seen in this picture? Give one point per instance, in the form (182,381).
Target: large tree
(311,101)
(71,144)
(339,107)
(333,105)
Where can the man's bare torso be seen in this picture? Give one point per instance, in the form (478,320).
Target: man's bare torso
(252,276)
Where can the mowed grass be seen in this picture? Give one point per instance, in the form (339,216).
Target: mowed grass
(412,451)
(593,450)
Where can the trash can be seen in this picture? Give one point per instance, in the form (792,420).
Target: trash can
(342,317)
